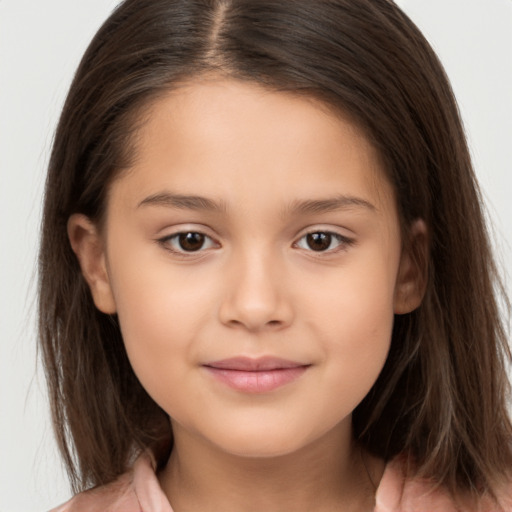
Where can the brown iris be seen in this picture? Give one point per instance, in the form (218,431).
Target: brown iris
(191,241)
(319,241)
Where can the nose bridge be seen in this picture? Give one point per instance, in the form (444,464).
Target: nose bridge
(255,290)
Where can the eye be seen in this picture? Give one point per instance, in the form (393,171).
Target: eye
(187,241)
(323,241)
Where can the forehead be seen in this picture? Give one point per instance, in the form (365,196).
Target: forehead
(213,135)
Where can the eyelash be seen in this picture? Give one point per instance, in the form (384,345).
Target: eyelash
(167,242)
(343,242)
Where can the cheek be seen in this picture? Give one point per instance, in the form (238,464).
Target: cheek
(353,319)
(356,297)
(359,342)
(160,313)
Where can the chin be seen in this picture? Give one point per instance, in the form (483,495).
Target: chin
(259,444)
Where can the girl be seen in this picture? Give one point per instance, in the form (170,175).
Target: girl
(265,278)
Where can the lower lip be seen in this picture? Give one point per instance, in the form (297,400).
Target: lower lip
(257,381)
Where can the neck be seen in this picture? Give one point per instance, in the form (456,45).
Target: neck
(329,474)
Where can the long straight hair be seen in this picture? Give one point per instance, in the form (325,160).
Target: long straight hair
(441,397)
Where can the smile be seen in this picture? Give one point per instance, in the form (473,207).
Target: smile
(256,375)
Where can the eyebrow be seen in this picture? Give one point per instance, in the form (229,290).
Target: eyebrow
(341,202)
(297,207)
(183,202)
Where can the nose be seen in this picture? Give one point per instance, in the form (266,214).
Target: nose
(255,296)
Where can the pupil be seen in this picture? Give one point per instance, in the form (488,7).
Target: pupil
(191,241)
(319,241)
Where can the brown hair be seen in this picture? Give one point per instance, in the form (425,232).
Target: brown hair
(441,397)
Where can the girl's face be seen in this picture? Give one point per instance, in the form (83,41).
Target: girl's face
(253,256)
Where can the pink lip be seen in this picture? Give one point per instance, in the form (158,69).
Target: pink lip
(256,375)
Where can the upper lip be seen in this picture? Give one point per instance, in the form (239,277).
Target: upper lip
(249,364)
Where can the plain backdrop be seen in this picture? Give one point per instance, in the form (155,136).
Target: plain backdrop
(41,43)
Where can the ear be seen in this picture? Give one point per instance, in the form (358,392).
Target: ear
(412,274)
(88,246)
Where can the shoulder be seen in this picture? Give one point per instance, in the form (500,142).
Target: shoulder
(116,496)
(399,493)
(135,491)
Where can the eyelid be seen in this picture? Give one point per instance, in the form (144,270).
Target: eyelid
(343,241)
(165,241)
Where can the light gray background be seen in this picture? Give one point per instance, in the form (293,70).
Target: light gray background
(41,43)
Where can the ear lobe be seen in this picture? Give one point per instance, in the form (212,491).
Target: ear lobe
(88,246)
(413,271)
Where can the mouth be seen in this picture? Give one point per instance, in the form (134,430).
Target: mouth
(256,375)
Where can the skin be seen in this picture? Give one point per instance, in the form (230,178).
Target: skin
(255,288)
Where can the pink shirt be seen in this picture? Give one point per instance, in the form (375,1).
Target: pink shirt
(139,491)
